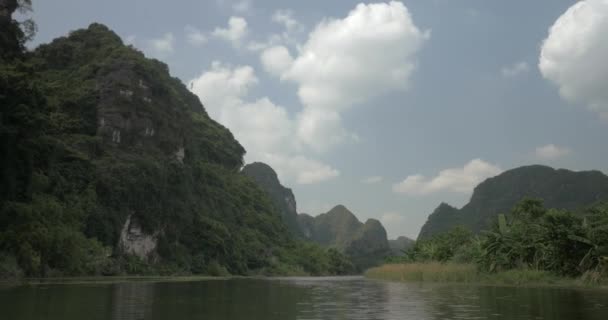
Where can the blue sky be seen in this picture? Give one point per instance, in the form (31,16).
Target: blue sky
(388,108)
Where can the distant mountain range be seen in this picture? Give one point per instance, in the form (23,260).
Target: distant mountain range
(560,189)
(365,244)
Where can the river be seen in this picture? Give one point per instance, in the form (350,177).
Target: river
(349,298)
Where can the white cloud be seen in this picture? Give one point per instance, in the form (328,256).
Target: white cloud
(235,32)
(304,170)
(391,218)
(573,56)
(285,18)
(551,152)
(460,180)
(372,180)
(276,60)
(344,62)
(348,61)
(262,127)
(287,37)
(515,69)
(195,37)
(321,130)
(163,46)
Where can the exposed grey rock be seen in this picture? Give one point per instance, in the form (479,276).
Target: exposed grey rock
(134,241)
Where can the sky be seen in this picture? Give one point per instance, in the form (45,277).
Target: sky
(388,108)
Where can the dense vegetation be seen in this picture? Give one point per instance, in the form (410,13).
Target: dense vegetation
(560,189)
(557,242)
(93,134)
(283,199)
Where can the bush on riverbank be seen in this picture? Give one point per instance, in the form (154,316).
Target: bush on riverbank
(531,244)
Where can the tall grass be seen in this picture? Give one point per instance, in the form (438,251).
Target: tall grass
(464,273)
(426,272)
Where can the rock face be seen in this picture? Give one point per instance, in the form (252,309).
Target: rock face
(134,241)
(365,244)
(400,244)
(283,199)
(561,189)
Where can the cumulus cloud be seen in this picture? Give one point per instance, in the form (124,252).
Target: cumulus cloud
(344,62)
(276,60)
(515,69)
(235,32)
(349,61)
(460,180)
(287,37)
(261,126)
(372,180)
(573,56)
(163,46)
(551,152)
(195,37)
(321,130)
(303,169)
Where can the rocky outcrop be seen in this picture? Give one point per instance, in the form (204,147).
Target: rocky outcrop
(134,241)
(560,189)
(365,244)
(282,198)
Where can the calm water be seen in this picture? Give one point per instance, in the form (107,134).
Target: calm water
(296,298)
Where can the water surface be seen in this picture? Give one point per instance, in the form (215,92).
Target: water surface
(349,298)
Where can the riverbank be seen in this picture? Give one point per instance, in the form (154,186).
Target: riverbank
(468,273)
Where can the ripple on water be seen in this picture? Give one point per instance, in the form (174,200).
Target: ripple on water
(352,298)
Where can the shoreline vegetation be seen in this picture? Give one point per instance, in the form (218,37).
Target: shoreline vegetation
(532,245)
(436,272)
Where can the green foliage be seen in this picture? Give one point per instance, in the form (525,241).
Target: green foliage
(9,267)
(66,189)
(559,189)
(442,247)
(536,238)
(305,258)
(530,241)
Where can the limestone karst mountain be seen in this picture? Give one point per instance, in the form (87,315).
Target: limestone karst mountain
(112,166)
(282,197)
(560,189)
(365,243)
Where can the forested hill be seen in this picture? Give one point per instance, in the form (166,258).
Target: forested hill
(365,244)
(560,189)
(282,197)
(111,166)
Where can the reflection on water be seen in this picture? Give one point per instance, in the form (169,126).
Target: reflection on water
(296,298)
(132,301)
